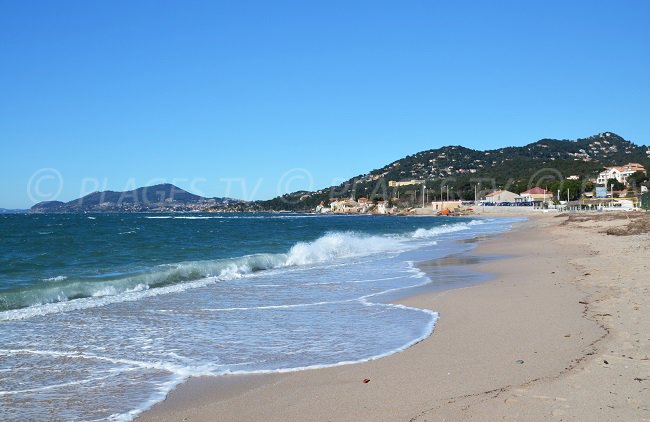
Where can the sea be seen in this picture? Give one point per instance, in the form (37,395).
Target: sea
(101,315)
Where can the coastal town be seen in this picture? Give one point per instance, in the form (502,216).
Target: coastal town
(614,188)
(622,187)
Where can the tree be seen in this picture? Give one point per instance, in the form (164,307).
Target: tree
(613,184)
(573,187)
(636,179)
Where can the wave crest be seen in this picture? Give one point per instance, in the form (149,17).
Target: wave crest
(436,231)
(337,245)
(330,247)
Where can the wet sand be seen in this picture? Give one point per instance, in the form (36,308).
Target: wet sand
(559,333)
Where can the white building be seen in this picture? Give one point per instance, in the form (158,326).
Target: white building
(322,209)
(365,205)
(620,173)
(395,184)
(345,206)
(536,194)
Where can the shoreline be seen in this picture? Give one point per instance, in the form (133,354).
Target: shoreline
(528,328)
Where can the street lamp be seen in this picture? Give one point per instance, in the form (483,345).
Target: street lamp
(423,189)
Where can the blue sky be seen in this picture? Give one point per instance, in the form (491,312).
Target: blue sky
(251,99)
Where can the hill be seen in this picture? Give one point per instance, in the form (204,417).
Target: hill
(463,169)
(457,171)
(163,197)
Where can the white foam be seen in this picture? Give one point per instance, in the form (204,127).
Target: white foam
(63,305)
(416,273)
(437,231)
(165,388)
(194,370)
(338,245)
(297,305)
(53,386)
(158,396)
(57,278)
(426,333)
(230,217)
(331,249)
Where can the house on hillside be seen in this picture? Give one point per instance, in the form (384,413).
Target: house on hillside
(500,196)
(536,195)
(620,173)
(412,182)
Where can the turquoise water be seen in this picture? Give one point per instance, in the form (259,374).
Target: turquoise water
(101,315)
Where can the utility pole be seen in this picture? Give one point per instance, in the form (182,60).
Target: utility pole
(423,188)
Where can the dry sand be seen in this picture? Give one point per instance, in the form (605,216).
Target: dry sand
(561,333)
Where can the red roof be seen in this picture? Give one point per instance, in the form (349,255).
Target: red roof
(536,190)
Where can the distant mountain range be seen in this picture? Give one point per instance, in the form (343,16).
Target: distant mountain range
(455,168)
(462,169)
(12,211)
(163,197)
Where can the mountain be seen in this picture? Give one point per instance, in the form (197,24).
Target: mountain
(463,169)
(163,197)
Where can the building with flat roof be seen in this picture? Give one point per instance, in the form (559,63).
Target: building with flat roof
(395,184)
(502,196)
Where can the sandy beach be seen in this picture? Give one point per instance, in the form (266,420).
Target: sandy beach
(560,333)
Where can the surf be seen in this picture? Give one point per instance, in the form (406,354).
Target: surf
(328,248)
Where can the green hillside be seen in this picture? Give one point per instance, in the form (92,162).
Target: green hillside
(462,170)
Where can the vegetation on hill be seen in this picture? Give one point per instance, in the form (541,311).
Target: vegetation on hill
(451,172)
(464,172)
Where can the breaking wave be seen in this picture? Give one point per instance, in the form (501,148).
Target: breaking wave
(436,231)
(328,248)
